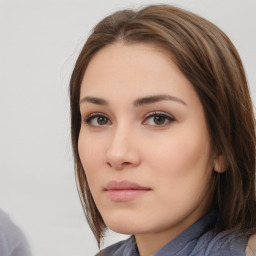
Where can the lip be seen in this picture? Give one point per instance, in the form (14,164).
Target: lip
(122,191)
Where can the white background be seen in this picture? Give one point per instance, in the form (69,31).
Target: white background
(39,42)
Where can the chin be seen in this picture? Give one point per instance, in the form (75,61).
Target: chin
(122,230)
(124,226)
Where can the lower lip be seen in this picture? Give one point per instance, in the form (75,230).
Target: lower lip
(125,195)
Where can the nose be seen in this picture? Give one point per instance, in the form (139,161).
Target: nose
(122,152)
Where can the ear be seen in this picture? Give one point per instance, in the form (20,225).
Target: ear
(219,164)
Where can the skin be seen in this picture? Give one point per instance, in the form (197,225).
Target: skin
(163,146)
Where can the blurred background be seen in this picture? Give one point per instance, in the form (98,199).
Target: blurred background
(39,43)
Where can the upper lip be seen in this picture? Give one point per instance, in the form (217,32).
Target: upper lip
(124,185)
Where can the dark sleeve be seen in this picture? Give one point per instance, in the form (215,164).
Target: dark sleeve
(12,240)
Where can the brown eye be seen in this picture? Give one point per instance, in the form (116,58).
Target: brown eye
(97,120)
(102,120)
(158,119)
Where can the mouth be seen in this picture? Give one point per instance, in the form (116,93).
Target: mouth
(122,191)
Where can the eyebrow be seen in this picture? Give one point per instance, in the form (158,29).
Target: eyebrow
(137,103)
(94,100)
(156,98)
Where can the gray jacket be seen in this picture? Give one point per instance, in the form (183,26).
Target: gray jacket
(197,240)
(12,240)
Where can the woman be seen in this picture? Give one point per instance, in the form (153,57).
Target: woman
(163,135)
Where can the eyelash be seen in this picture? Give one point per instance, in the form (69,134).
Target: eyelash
(161,114)
(94,116)
(154,114)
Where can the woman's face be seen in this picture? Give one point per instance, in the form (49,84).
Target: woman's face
(144,142)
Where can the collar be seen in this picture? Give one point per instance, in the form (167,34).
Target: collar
(185,242)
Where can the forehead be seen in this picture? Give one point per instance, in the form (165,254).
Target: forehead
(134,70)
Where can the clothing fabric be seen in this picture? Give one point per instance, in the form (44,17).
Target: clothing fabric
(197,240)
(12,240)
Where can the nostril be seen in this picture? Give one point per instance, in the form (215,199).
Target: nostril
(118,165)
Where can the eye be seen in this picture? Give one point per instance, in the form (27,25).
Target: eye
(97,119)
(158,119)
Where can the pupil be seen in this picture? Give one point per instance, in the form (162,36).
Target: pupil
(159,119)
(102,120)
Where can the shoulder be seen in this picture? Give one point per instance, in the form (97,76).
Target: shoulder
(125,247)
(224,243)
(12,240)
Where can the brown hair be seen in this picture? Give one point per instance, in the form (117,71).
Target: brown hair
(211,63)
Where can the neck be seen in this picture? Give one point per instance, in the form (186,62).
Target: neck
(149,243)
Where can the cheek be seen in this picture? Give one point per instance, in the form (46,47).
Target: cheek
(83,149)
(182,174)
(89,154)
(183,157)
